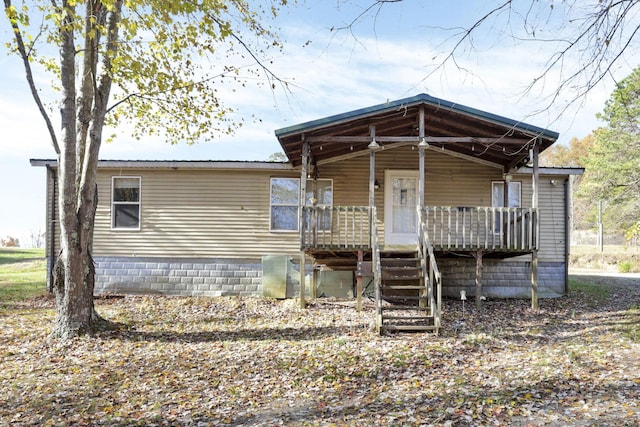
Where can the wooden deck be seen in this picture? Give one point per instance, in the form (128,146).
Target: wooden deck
(344,230)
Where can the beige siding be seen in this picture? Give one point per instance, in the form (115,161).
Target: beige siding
(194,213)
(450,181)
(52,215)
(225,213)
(552,219)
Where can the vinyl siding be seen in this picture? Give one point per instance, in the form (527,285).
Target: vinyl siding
(450,181)
(225,213)
(194,213)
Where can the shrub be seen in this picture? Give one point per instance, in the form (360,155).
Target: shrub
(625,266)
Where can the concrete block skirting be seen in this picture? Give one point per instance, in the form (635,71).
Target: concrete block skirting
(501,279)
(178,276)
(231,276)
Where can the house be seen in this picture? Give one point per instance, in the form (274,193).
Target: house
(409,200)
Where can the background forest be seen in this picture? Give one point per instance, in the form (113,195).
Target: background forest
(611,158)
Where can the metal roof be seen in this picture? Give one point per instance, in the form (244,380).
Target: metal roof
(448,125)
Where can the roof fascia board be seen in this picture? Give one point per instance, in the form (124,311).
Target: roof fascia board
(534,131)
(178,164)
(527,170)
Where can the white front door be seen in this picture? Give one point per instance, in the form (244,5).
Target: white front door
(400,202)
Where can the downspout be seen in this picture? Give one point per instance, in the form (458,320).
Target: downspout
(52,227)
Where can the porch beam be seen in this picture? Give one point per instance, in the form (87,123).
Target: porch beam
(416,139)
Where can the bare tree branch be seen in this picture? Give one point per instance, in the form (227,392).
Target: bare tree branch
(591,40)
(29,75)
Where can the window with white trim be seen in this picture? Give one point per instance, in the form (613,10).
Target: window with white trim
(284,195)
(125,202)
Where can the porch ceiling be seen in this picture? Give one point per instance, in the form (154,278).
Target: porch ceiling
(447,125)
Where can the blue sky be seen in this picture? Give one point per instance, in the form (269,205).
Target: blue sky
(386,58)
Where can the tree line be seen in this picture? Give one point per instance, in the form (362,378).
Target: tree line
(611,158)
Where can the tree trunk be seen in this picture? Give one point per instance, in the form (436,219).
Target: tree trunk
(83,113)
(74,280)
(74,299)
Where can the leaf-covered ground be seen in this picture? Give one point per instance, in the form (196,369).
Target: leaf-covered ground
(258,362)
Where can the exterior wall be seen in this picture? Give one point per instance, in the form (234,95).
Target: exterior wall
(452,181)
(501,279)
(449,181)
(194,213)
(217,221)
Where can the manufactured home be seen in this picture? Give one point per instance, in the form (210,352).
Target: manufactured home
(406,201)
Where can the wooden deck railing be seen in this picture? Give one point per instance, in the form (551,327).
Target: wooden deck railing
(481,228)
(430,271)
(336,227)
(449,228)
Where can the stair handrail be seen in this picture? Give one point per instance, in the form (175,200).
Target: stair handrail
(430,270)
(376,266)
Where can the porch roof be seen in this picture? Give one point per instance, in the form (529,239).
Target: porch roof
(447,125)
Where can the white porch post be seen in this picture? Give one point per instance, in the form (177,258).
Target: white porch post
(303,195)
(536,230)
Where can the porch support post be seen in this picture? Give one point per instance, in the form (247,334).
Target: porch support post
(359,281)
(372,167)
(301,203)
(373,147)
(505,222)
(479,267)
(421,147)
(536,226)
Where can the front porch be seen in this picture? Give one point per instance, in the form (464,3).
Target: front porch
(501,231)
(460,204)
(406,278)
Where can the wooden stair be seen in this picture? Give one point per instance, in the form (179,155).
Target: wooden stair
(405,301)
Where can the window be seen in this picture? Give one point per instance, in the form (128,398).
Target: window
(284,204)
(285,193)
(497,198)
(324,190)
(497,194)
(125,203)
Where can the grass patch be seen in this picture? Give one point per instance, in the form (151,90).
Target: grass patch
(595,293)
(23,274)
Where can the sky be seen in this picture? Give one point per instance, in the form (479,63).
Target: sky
(385,56)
